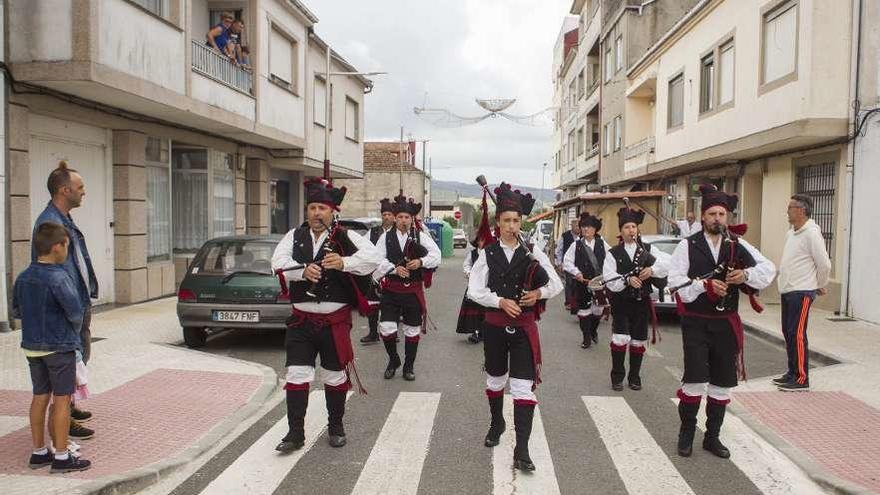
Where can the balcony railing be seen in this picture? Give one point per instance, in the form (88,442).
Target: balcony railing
(644,146)
(209,62)
(593,151)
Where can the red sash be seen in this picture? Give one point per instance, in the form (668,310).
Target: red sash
(526,321)
(339,322)
(393,285)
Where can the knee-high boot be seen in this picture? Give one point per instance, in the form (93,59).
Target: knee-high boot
(393,356)
(618,367)
(594,328)
(297,402)
(522,425)
(496,428)
(335,398)
(373,335)
(636,354)
(410,348)
(714,418)
(687,412)
(586,325)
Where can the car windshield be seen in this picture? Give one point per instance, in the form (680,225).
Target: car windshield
(667,247)
(223,258)
(547,228)
(458,231)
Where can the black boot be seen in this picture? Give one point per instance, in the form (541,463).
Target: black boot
(585,330)
(714,419)
(497,427)
(335,411)
(475,338)
(393,358)
(522,425)
(635,366)
(410,348)
(594,328)
(618,369)
(297,402)
(373,336)
(687,412)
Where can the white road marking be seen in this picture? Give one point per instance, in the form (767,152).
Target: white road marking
(9,424)
(508,480)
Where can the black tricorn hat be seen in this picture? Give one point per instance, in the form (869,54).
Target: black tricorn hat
(385,205)
(403,205)
(626,215)
(588,220)
(320,190)
(513,200)
(713,197)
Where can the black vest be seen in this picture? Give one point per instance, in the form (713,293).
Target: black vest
(475,253)
(626,265)
(396,256)
(581,260)
(567,239)
(335,285)
(508,279)
(701,262)
(376,232)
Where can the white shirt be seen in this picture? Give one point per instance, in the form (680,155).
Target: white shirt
(468,262)
(805,264)
(660,268)
(363,262)
(568,261)
(478,288)
(559,245)
(687,229)
(430,260)
(760,275)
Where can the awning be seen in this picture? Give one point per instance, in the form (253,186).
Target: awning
(542,216)
(591,197)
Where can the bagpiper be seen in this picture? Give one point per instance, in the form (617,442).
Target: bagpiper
(562,244)
(627,273)
(584,261)
(470,316)
(707,271)
(323,295)
(409,254)
(512,281)
(375,233)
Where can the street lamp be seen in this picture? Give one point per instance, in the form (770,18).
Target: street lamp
(327,102)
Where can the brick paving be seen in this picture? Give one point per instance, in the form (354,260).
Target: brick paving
(151,418)
(837,431)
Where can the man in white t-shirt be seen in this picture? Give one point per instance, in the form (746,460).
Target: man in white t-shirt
(690,226)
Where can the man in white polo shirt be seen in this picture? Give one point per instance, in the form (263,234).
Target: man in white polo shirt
(803,274)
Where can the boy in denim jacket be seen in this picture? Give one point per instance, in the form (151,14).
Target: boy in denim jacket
(51,313)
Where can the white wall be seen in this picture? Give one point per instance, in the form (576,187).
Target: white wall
(30,20)
(136,43)
(219,95)
(864,296)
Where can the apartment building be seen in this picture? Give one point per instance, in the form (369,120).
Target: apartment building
(176,143)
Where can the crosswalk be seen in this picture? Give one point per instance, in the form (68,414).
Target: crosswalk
(397,458)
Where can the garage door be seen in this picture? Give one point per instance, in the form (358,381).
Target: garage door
(85,149)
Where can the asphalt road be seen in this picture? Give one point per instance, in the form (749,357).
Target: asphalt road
(456,461)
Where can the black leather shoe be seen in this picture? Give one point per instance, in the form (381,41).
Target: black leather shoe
(782,380)
(336,441)
(794,386)
(617,387)
(289,445)
(714,445)
(586,344)
(390,371)
(493,438)
(524,464)
(370,339)
(635,386)
(409,375)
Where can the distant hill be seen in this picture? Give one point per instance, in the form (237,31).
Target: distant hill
(473,190)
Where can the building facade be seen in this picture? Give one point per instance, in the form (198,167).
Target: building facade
(176,144)
(388,168)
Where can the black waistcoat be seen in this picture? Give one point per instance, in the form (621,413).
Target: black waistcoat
(701,262)
(567,239)
(396,256)
(475,253)
(626,265)
(376,232)
(582,261)
(508,279)
(335,285)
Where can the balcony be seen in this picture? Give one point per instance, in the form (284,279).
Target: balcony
(579,170)
(639,155)
(210,63)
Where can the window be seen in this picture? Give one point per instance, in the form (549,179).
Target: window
(572,146)
(618,133)
(675,110)
(707,83)
(224,194)
(158,205)
(606,146)
(158,7)
(819,182)
(282,58)
(572,93)
(203,196)
(581,86)
(779,51)
(618,52)
(726,73)
(580,141)
(594,141)
(320,101)
(609,63)
(352,119)
(594,75)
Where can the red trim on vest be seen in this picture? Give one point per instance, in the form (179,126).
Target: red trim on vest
(296,386)
(494,394)
(688,399)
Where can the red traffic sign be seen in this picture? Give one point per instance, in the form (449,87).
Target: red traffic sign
(457,215)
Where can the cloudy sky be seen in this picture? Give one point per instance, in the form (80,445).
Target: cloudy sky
(454,51)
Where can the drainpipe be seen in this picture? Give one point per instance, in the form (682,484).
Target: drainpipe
(4,196)
(855,74)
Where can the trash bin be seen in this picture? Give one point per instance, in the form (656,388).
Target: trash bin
(442,233)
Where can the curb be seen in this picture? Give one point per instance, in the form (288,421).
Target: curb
(138,479)
(812,469)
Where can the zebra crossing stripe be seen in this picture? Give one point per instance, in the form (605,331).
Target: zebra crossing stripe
(395,463)
(768,468)
(640,462)
(507,480)
(260,469)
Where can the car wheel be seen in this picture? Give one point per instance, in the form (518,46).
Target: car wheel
(195,337)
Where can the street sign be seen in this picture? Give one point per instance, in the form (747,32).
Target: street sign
(457,215)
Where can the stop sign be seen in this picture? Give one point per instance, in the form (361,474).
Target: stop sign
(457,215)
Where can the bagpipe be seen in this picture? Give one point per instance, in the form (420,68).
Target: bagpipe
(412,250)
(642,259)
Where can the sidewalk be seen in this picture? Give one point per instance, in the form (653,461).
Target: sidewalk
(833,431)
(155,405)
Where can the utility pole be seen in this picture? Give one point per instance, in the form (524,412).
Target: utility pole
(543,173)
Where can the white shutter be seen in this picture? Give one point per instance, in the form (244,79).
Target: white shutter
(280,56)
(726,73)
(351,119)
(320,101)
(780,43)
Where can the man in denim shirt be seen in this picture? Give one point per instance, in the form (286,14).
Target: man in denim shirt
(67,191)
(51,312)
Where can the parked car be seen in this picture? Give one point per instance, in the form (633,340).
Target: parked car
(230,285)
(543,232)
(360,225)
(459,238)
(663,301)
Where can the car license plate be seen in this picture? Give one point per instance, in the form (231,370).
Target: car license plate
(237,316)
